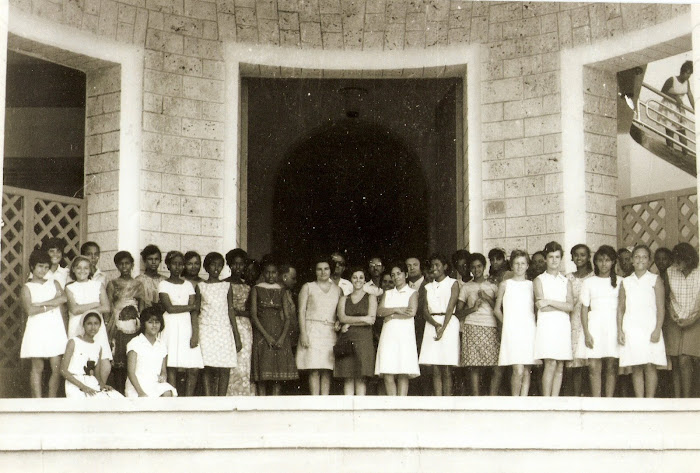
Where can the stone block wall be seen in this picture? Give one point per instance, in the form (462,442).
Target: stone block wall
(600,144)
(102,109)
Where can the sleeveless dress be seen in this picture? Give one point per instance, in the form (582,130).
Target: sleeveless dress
(361,363)
(82,365)
(216,340)
(150,288)
(268,363)
(675,114)
(518,334)
(45,334)
(320,327)
(125,293)
(178,328)
(639,322)
(553,334)
(239,380)
(149,361)
(578,340)
(446,350)
(397,352)
(598,294)
(87,292)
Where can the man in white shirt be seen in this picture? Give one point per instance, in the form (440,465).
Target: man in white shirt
(376,270)
(337,271)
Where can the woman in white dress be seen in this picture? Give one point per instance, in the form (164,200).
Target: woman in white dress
(440,347)
(672,113)
(181,333)
(640,317)
(554,302)
(147,358)
(45,333)
(598,298)
(80,362)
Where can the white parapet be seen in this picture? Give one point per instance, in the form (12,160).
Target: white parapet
(345,434)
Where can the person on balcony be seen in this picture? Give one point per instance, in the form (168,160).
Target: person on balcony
(672,113)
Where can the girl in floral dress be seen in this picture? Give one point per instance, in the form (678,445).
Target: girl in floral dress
(239,380)
(581,256)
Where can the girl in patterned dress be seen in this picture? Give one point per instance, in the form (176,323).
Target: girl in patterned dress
(239,380)
(218,334)
(125,295)
(581,256)
(272,359)
(150,279)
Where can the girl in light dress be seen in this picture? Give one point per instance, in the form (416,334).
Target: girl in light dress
(581,256)
(318,301)
(440,347)
(181,333)
(150,279)
(125,295)
(239,379)
(480,333)
(45,333)
(672,112)
(147,358)
(640,316)
(515,308)
(599,296)
(554,302)
(80,363)
(218,334)
(397,352)
(87,295)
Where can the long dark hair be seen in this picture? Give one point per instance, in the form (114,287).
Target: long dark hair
(609,251)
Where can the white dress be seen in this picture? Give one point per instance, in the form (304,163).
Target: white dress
(45,334)
(598,294)
(639,322)
(397,352)
(83,365)
(88,292)
(553,335)
(178,328)
(445,351)
(149,361)
(518,333)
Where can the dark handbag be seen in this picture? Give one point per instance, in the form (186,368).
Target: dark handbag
(343,346)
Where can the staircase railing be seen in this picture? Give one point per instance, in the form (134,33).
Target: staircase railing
(656,116)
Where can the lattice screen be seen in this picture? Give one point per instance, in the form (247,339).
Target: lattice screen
(29,218)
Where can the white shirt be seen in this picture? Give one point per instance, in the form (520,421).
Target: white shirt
(372,289)
(345,286)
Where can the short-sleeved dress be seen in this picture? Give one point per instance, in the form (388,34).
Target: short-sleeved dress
(149,361)
(578,341)
(481,338)
(88,292)
(216,338)
(361,362)
(268,363)
(684,291)
(239,383)
(150,288)
(553,335)
(446,350)
(397,352)
(83,365)
(519,327)
(320,328)
(45,334)
(639,322)
(598,294)
(125,293)
(178,328)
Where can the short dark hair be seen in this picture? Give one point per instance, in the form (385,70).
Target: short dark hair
(284,268)
(553,247)
(171,255)
(157,311)
(477,257)
(460,254)
(120,255)
(642,247)
(88,244)
(235,253)
(39,256)
(687,66)
(211,257)
(322,259)
(358,269)
(191,254)
(400,264)
(441,258)
(150,250)
(685,252)
(496,253)
(89,315)
(53,243)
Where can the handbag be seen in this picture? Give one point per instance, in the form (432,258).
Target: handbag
(343,346)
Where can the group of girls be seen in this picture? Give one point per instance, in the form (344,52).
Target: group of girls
(241,331)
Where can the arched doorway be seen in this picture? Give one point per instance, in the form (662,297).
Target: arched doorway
(350,187)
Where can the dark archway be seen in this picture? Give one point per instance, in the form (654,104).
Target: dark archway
(350,187)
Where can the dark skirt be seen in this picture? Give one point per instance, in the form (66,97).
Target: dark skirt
(268,363)
(361,363)
(121,339)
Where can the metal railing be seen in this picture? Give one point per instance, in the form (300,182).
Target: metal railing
(656,116)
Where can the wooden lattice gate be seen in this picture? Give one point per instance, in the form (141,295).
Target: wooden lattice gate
(28,217)
(659,220)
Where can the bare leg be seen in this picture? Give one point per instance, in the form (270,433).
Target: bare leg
(496,376)
(550,366)
(595,376)
(276,388)
(610,376)
(360,387)
(651,380)
(224,374)
(55,379)
(676,374)
(390,385)
(437,381)
(172,377)
(525,385)
(349,387)
(516,379)
(104,369)
(325,382)
(558,377)
(474,374)
(402,384)
(638,380)
(190,381)
(207,378)
(447,381)
(686,374)
(35,375)
(314,383)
